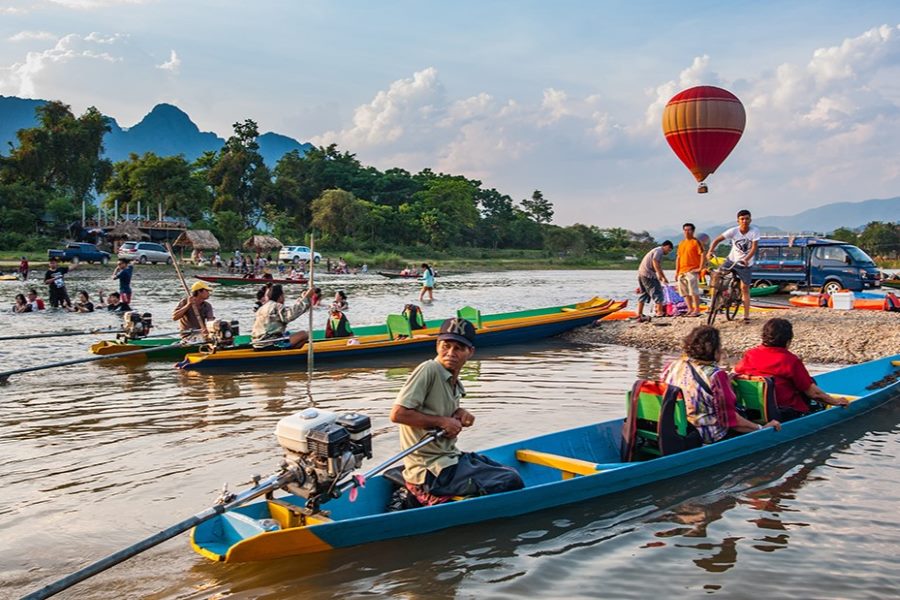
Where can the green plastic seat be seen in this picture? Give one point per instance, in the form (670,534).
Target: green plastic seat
(656,431)
(398,327)
(470,314)
(757,397)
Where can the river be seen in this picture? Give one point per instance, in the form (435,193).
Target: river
(95,457)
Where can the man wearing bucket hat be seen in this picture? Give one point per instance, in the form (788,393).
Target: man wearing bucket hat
(186,316)
(430,400)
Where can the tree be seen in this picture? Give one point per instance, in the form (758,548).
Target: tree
(228,226)
(447,210)
(538,208)
(881,239)
(844,234)
(151,179)
(239,177)
(62,154)
(337,215)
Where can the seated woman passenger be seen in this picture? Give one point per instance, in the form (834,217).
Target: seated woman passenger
(708,396)
(793,385)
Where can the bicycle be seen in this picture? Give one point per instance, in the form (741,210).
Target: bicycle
(724,295)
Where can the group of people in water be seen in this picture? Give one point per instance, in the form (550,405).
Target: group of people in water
(58,295)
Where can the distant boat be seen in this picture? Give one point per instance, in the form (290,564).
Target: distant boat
(226,280)
(401,275)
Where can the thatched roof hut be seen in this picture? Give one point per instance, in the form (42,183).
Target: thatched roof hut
(201,239)
(262,243)
(126,230)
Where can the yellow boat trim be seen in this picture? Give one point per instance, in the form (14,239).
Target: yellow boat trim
(569,466)
(276,544)
(895,363)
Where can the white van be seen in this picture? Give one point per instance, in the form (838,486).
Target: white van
(295,254)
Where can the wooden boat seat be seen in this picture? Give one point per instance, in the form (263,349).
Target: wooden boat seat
(656,422)
(757,397)
(470,314)
(570,467)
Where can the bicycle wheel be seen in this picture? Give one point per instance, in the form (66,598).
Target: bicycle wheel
(734,302)
(715,303)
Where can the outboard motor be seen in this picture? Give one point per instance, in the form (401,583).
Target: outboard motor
(223,332)
(322,448)
(136,325)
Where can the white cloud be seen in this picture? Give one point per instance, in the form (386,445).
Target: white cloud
(172,65)
(25,36)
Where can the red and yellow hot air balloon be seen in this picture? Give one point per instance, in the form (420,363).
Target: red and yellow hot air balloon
(703,125)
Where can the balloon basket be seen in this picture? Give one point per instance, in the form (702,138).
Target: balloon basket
(702,189)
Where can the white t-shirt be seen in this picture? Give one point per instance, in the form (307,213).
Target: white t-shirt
(741,243)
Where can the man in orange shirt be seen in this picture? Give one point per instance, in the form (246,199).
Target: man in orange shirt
(689,261)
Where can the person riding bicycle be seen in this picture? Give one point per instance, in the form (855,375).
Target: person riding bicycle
(744,243)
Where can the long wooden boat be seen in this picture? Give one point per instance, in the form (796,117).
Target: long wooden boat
(558,468)
(755,292)
(177,351)
(891,283)
(235,280)
(494,330)
(397,275)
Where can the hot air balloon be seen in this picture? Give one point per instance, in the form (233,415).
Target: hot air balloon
(703,125)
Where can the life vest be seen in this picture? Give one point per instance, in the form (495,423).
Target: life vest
(413,314)
(891,302)
(338,326)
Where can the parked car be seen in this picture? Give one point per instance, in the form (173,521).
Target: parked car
(814,262)
(76,252)
(145,252)
(295,254)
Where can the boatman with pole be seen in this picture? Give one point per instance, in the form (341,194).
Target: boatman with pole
(429,399)
(193,313)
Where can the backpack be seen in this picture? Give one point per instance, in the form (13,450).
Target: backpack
(338,327)
(824,300)
(674,302)
(891,302)
(413,314)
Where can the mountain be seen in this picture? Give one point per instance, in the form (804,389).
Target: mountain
(166,130)
(823,219)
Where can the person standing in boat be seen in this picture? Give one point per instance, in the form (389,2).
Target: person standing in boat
(272,319)
(427,283)
(430,400)
(193,330)
(794,387)
(708,395)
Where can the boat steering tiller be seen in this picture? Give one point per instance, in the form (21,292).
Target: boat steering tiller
(223,332)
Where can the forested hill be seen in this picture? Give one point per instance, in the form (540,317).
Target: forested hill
(166,130)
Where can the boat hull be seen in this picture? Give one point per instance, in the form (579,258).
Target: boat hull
(231,281)
(238,536)
(517,328)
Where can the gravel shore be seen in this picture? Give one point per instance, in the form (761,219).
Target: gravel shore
(821,335)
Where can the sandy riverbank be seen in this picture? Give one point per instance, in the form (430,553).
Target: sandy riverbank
(820,334)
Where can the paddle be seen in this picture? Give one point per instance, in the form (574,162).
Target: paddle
(309,345)
(268,485)
(6,374)
(31,336)
(187,292)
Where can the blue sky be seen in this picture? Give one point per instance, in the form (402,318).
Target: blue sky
(564,97)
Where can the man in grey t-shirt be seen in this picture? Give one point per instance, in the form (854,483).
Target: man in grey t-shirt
(650,280)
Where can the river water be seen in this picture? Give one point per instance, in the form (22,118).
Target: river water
(95,457)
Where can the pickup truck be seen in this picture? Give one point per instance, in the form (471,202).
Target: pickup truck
(76,252)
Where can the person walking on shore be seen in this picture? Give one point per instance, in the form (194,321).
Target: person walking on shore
(689,261)
(744,242)
(651,279)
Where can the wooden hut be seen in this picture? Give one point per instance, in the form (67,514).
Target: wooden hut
(262,244)
(197,241)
